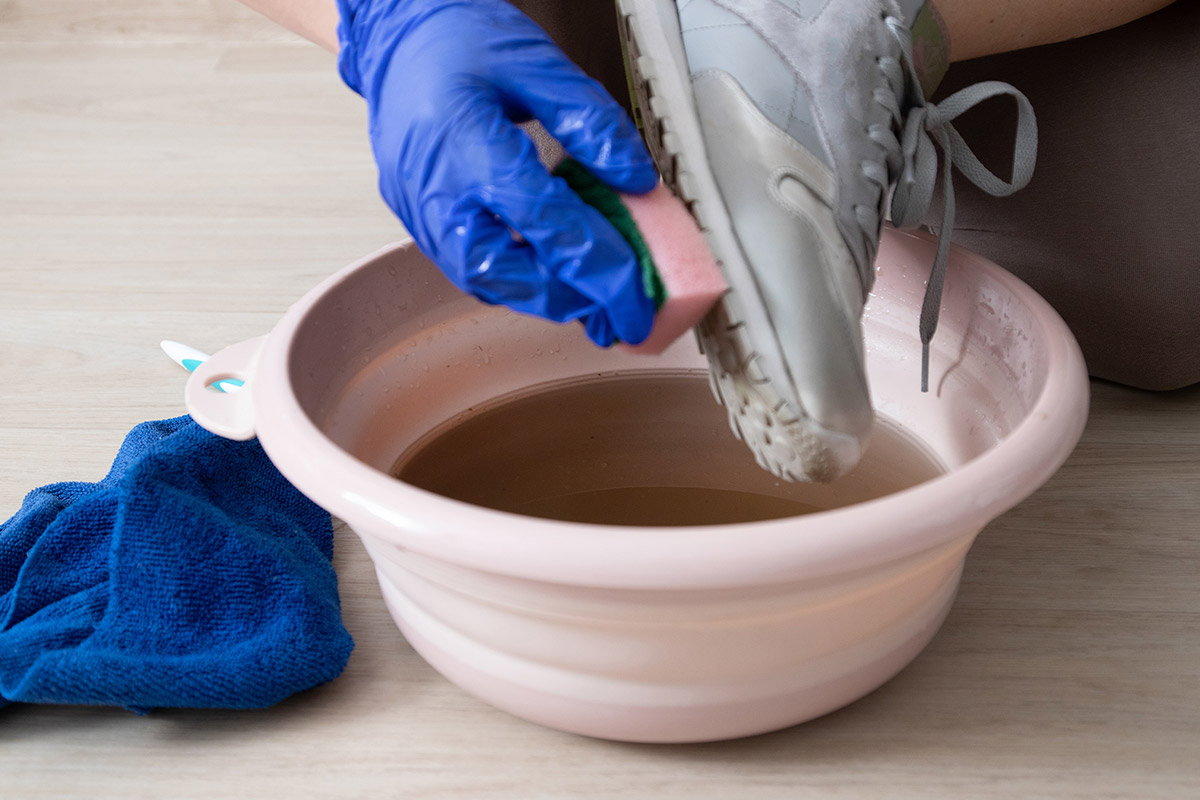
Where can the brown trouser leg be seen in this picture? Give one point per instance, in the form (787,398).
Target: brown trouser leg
(1109,229)
(586,30)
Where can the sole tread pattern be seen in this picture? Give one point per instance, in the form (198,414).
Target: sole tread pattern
(785,447)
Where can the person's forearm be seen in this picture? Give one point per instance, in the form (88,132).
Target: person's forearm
(315,20)
(983,27)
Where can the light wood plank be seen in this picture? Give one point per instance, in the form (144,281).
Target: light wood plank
(135,21)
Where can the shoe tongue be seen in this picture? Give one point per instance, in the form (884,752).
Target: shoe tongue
(930,44)
(910,8)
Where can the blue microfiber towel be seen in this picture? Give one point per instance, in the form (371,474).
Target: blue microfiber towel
(193,576)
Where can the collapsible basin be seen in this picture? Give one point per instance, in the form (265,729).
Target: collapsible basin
(652,633)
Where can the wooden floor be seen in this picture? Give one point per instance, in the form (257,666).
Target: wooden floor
(180,169)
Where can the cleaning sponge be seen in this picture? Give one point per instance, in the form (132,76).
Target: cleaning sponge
(678,270)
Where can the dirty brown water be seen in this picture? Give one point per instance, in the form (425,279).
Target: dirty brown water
(635,450)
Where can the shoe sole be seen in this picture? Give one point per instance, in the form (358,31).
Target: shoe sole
(782,439)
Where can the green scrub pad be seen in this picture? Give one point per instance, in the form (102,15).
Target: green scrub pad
(605,199)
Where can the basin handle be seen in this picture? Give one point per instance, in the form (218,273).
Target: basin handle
(227,414)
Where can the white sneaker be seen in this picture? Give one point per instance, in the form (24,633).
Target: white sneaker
(783,124)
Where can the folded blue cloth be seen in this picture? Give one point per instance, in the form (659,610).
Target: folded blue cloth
(194,575)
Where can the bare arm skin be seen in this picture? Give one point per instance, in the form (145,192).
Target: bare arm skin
(315,20)
(983,27)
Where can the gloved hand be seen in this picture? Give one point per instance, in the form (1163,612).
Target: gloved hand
(446,82)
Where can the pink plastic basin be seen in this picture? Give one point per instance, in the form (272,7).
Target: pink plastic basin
(652,634)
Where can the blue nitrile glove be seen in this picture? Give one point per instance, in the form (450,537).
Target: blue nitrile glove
(446,82)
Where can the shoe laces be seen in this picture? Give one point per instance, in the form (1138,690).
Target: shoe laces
(911,156)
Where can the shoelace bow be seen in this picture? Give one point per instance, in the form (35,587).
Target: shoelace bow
(914,158)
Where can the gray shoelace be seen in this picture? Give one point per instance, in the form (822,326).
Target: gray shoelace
(914,158)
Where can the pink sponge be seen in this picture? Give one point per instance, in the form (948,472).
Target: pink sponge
(690,277)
